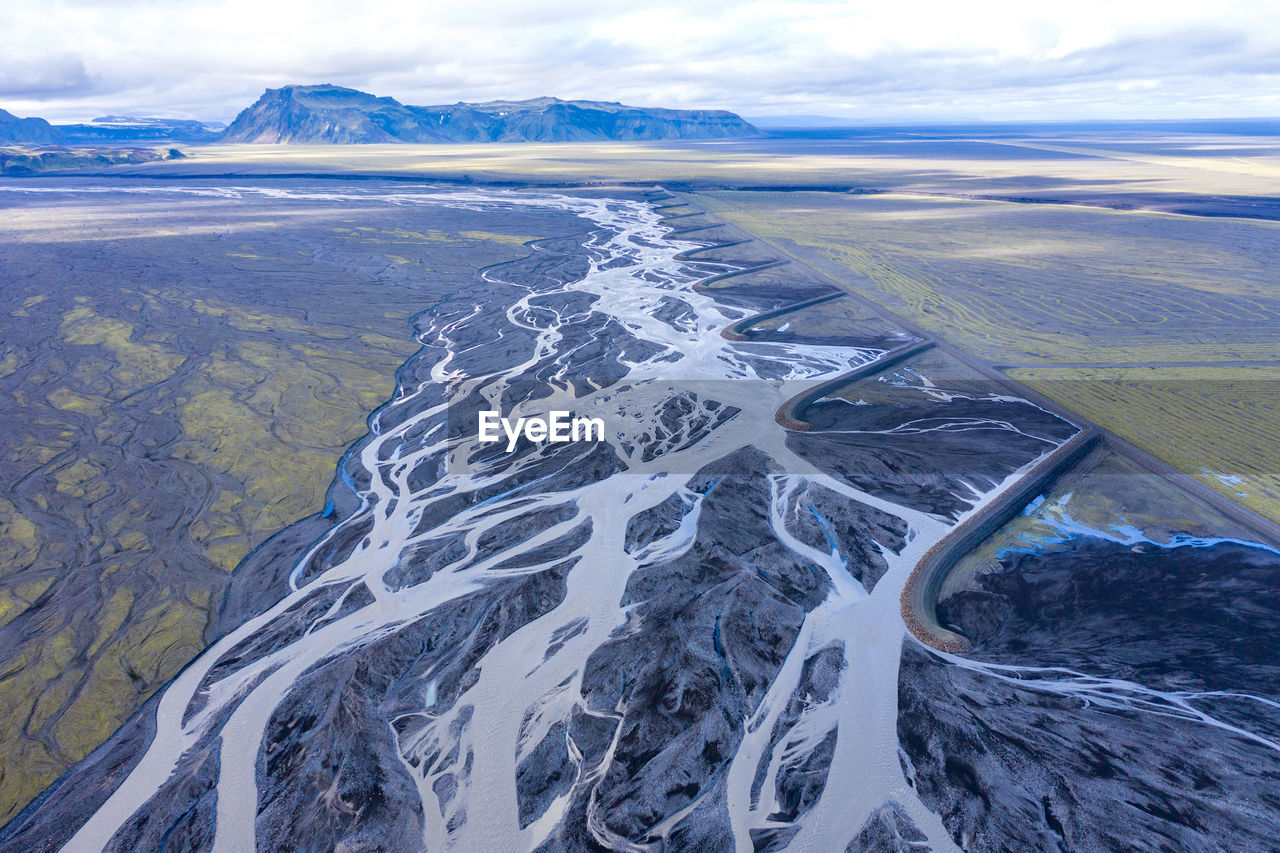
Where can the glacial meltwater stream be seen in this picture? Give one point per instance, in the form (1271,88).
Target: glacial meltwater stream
(686,636)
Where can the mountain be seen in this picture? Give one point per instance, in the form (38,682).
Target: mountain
(106,131)
(113,130)
(27,130)
(333,114)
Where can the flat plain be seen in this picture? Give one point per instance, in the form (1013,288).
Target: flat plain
(183,368)
(1174,170)
(181,373)
(1023,284)
(1216,423)
(1162,327)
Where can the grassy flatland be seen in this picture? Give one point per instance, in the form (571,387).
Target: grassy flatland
(1219,424)
(1020,284)
(1059,296)
(1081,165)
(180,378)
(1102,490)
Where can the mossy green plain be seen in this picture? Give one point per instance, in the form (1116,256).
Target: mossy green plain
(183,381)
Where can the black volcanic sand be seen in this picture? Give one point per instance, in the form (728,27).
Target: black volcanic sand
(308,748)
(180,374)
(663,708)
(1005,763)
(895,436)
(1170,618)
(718,621)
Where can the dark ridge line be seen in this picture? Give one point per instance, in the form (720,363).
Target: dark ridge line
(734,331)
(1102,205)
(682,231)
(919,609)
(703,285)
(919,601)
(790,414)
(1122,206)
(688,254)
(320,176)
(532,183)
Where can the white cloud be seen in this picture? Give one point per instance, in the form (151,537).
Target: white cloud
(72,59)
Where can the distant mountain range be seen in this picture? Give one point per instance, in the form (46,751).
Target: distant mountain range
(106,131)
(338,115)
(117,129)
(27,130)
(334,114)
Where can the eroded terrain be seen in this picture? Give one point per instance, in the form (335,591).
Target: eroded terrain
(690,634)
(181,370)
(1120,689)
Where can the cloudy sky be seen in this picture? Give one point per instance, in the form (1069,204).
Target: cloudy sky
(890,60)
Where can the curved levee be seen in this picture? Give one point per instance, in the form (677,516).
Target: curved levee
(920,596)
